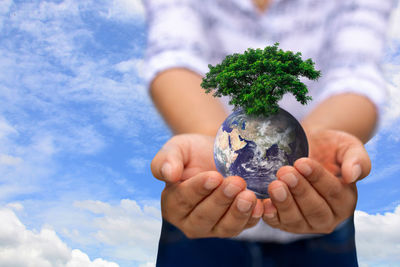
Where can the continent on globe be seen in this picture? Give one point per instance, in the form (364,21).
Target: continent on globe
(255,148)
(259,137)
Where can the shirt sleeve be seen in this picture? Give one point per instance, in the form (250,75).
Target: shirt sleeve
(353,51)
(175,37)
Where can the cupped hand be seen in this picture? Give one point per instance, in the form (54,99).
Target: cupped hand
(196,198)
(319,192)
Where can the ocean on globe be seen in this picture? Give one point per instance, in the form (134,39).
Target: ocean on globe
(255,147)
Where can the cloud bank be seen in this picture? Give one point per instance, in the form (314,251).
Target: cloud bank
(132,232)
(378,238)
(20,247)
(128,231)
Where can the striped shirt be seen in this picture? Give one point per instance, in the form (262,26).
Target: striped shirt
(345,38)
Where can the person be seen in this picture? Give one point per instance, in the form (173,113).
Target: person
(209,220)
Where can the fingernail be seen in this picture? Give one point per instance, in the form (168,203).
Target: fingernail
(258,211)
(166,170)
(243,205)
(356,172)
(269,215)
(305,169)
(231,189)
(211,183)
(290,179)
(279,194)
(269,210)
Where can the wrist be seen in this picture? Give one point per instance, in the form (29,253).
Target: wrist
(350,113)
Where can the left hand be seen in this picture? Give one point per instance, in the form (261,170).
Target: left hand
(319,192)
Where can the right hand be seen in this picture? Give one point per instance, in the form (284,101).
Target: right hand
(196,198)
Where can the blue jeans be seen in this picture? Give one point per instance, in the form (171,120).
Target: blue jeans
(335,249)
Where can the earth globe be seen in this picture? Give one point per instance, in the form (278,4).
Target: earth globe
(255,147)
(259,137)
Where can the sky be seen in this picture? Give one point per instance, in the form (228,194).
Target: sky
(78,132)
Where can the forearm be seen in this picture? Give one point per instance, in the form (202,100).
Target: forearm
(351,113)
(184,105)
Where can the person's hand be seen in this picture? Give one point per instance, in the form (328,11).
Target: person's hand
(319,192)
(196,198)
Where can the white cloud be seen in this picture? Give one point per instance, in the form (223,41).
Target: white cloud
(139,164)
(126,10)
(392,111)
(6,128)
(59,70)
(59,98)
(147,264)
(5,6)
(15,206)
(394,30)
(64,96)
(9,160)
(391,206)
(44,21)
(84,139)
(80,259)
(4,10)
(130,230)
(378,238)
(392,73)
(388,170)
(130,66)
(20,247)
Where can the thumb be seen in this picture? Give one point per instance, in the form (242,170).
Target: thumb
(355,162)
(168,164)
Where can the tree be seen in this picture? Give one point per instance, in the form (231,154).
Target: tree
(257,79)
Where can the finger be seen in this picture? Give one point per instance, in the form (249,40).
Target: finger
(238,215)
(256,214)
(270,215)
(312,205)
(340,197)
(355,162)
(179,199)
(258,211)
(169,162)
(290,216)
(208,212)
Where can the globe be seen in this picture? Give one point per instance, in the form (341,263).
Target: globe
(255,147)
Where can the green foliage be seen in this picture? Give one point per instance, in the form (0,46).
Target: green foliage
(257,79)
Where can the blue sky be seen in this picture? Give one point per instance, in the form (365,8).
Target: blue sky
(78,132)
